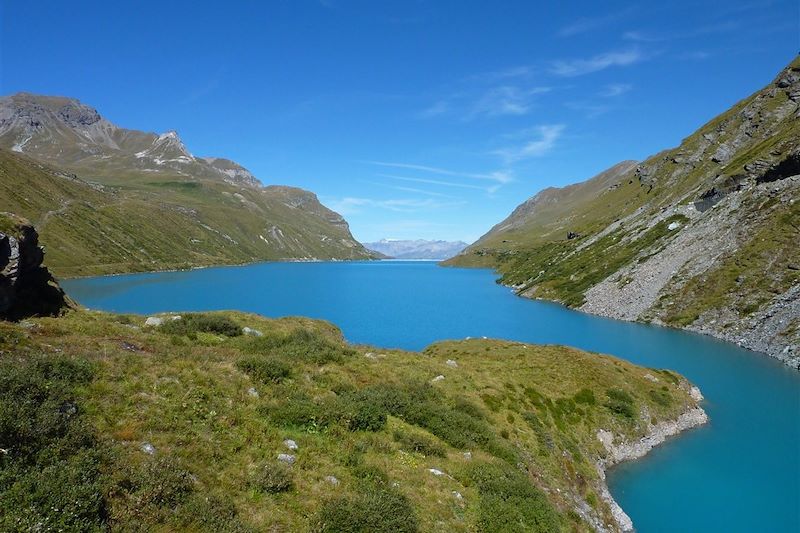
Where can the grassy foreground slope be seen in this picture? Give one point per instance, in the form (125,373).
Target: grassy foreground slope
(703,236)
(106,422)
(167,223)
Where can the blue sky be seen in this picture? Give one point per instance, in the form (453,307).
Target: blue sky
(415,118)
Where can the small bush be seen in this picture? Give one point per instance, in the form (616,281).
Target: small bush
(661,397)
(369,473)
(210,513)
(363,415)
(620,403)
(197,322)
(274,477)
(303,413)
(494,403)
(509,502)
(299,345)
(585,396)
(375,509)
(265,369)
(468,408)
(50,474)
(419,443)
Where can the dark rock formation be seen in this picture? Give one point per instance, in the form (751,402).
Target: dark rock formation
(26,287)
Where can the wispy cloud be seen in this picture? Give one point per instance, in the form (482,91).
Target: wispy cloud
(494,76)
(438,108)
(351,205)
(548,135)
(499,176)
(642,36)
(579,67)
(473,103)
(586,24)
(589,110)
(439,182)
(505,100)
(615,89)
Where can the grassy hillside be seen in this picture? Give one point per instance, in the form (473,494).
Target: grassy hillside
(167,221)
(703,235)
(105,421)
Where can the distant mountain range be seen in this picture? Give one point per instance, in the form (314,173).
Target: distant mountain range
(416,249)
(704,236)
(108,199)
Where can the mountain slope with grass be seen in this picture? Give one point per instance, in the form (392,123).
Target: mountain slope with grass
(107,200)
(703,236)
(235,422)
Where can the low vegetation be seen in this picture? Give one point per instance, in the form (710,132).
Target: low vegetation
(105,423)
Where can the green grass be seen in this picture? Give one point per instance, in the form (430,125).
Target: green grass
(134,224)
(377,425)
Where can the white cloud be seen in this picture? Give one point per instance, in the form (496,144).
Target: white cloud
(439,108)
(350,205)
(505,100)
(579,67)
(615,89)
(548,135)
(585,24)
(434,182)
(498,176)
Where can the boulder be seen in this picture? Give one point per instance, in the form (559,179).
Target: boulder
(252,332)
(153,321)
(287,458)
(26,286)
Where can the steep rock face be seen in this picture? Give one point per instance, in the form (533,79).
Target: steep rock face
(703,236)
(26,286)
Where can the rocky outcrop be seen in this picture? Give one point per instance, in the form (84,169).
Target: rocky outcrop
(619,450)
(26,286)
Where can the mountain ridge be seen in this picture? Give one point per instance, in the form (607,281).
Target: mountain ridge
(416,248)
(110,200)
(702,236)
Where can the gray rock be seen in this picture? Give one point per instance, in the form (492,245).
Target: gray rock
(252,392)
(451,363)
(148,448)
(436,472)
(287,458)
(289,443)
(153,321)
(252,332)
(332,480)
(437,379)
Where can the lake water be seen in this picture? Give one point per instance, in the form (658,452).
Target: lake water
(741,472)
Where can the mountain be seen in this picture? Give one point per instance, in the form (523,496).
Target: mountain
(416,249)
(108,199)
(703,236)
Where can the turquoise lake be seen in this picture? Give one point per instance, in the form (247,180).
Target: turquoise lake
(741,472)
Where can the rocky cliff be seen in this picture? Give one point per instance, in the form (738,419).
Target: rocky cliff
(705,236)
(26,286)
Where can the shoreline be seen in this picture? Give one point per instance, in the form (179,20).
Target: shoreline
(634,450)
(775,352)
(217,265)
